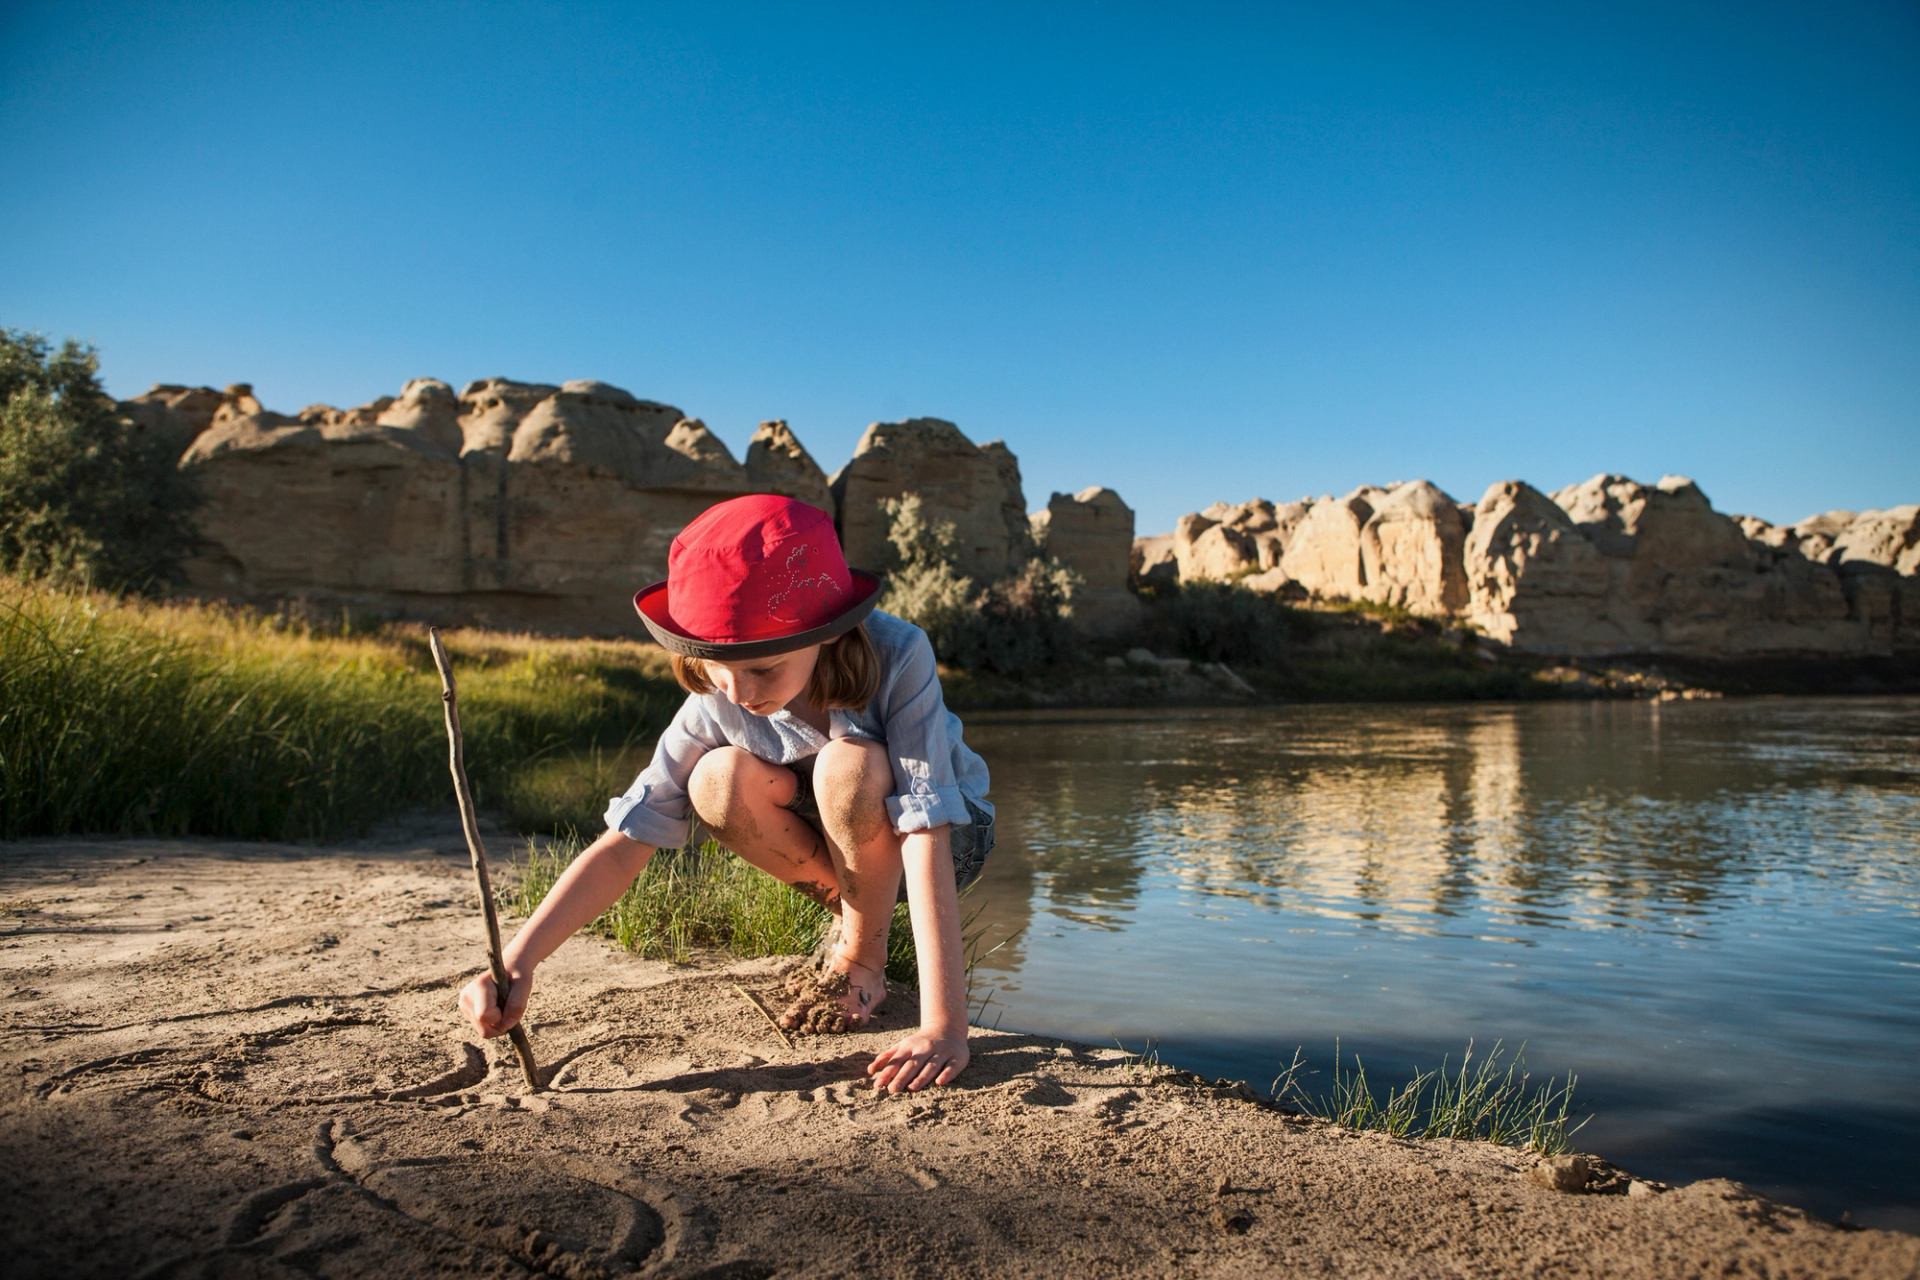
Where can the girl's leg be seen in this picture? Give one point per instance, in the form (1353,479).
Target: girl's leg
(741,799)
(852,778)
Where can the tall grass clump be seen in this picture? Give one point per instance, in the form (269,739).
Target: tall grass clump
(701,896)
(1478,1100)
(131,717)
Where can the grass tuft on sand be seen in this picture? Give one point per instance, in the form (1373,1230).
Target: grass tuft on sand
(143,718)
(1478,1100)
(701,896)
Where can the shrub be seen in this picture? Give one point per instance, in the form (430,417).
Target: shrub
(85,497)
(924,587)
(1017,624)
(1222,622)
(1020,623)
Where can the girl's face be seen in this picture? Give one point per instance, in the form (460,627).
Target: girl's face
(764,685)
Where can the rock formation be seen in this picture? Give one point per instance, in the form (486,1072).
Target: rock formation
(1890,538)
(1610,566)
(175,413)
(778,463)
(1520,534)
(508,505)
(1269,527)
(1091,532)
(1411,550)
(1240,542)
(1206,548)
(976,487)
(1323,555)
(530,505)
(1154,564)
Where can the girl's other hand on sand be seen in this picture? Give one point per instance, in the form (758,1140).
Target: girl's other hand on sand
(921,1059)
(480,1001)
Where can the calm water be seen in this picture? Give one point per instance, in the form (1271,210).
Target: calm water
(1709,911)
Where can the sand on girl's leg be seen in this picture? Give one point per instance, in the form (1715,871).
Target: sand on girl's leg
(742,799)
(852,779)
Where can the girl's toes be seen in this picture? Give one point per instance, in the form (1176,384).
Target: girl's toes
(828,1004)
(824,1019)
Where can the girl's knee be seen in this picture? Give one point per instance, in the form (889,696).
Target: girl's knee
(852,778)
(728,780)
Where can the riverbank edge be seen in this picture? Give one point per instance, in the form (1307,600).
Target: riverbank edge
(1165,682)
(1191,1169)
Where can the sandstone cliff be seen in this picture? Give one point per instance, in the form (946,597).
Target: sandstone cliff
(530,505)
(509,504)
(1607,567)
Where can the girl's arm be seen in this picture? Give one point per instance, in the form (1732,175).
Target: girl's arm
(937,1052)
(589,886)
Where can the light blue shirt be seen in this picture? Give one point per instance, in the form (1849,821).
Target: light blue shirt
(934,772)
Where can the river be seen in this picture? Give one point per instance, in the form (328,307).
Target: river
(1709,911)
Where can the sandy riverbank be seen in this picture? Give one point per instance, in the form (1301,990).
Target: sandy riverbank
(229,1059)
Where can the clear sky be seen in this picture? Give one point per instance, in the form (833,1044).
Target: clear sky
(1190,251)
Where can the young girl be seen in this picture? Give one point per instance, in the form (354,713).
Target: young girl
(815,744)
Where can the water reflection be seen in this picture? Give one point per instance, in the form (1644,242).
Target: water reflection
(1728,890)
(1570,816)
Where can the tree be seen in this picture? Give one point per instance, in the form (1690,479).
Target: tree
(86,498)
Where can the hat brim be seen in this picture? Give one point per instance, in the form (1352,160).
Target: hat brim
(650,603)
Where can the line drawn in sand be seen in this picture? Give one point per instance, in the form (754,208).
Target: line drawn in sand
(581,1219)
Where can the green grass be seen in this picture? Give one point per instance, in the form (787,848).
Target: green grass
(687,899)
(128,717)
(1478,1100)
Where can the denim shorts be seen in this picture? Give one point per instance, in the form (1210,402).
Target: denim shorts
(969,842)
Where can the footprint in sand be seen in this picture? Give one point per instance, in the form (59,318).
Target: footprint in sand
(1110,1105)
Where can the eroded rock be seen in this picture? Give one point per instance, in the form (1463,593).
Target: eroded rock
(1534,581)
(1091,532)
(778,463)
(1411,551)
(515,505)
(1324,553)
(976,487)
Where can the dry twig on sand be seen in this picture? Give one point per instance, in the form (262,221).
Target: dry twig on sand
(469,824)
(762,1011)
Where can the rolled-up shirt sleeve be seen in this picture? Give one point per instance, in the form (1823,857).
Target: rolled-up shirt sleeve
(915,722)
(655,808)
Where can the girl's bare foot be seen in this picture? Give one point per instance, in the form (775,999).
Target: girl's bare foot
(824,950)
(839,998)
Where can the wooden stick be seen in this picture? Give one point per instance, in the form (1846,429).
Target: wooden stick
(762,1011)
(469,824)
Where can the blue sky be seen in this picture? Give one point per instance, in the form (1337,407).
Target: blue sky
(1193,252)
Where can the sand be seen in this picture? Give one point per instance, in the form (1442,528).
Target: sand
(228,1060)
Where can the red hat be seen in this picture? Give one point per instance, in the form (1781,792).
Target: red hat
(752,577)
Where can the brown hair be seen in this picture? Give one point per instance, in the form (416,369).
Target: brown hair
(847,674)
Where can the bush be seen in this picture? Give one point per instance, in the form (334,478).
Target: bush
(1020,623)
(1017,624)
(923,586)
(1221,622)
(85,497)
